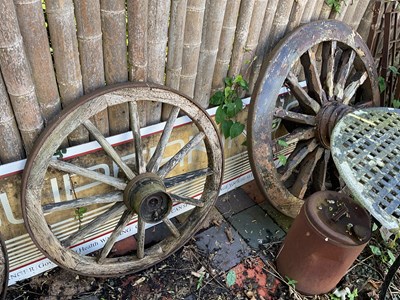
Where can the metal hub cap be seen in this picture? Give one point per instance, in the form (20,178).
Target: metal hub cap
(326,119)
(146,195)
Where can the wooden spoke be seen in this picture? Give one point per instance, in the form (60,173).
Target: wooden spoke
(312,76)
(82,202)
(140,238)
(308,104)
(109,149)
(307,167)
(328,66)
(297,156)
(188,200)
(189,176)
(123,221)
(73,169)
(175,232)
(116,209)
(319,175)
(155,160)
(294,117)
(357,80)
(347,61)
(137,139)
(299,134)
(168,166)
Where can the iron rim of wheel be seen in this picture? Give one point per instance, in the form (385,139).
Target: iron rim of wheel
(41,160)
(340,75)
(5,272)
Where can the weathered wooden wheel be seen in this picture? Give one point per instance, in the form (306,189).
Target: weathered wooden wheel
(339,74)
(3,269)
(144,192)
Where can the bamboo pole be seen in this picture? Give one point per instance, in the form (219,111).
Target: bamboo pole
(175,42)
(256,23)
(137,47)
(225,45)
(88,20)
(296,14)
(355,18)
(33,30)
(113,25)
(309,11)
(213,20)
(11,148)
(242,32)
(175,48)
(191,45)
(17,76)
(325,11)
(339,15)
(317,10)
(366,21)
(264,41)
(61,20)
(158,19)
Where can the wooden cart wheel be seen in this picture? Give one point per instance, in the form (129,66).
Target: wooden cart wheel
(339,73)
(144,191)
(3,269)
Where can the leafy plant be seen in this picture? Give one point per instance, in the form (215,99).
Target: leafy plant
(291,282)
(282,158)
(79,212)
(229,105)
(346,293)
(230,278)
(335,4)
(200,281)
(60,153)
(381,84)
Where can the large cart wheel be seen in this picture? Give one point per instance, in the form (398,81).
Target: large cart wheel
(144,192)
(4,269)
(339,74)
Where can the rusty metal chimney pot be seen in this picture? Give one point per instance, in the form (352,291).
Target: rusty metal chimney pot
(323,242)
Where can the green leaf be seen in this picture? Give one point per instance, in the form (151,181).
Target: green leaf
(217,98)
(291,282)
(353,295)
(200,281)
(228,92)
(230,278)
(236,129)
(374,227)
(392,258)
(228,81)
(375,250)
(396,103)
(226,127)
(241,82)
(282,159)
(233,108)
(283,143)
(394,70)
(381,84)
(220,115)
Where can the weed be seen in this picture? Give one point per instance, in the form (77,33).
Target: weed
(291,282)
(229,105)
(335,4)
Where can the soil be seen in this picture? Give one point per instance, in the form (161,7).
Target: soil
(188,274)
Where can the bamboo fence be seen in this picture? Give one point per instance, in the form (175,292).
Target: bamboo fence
(52,54)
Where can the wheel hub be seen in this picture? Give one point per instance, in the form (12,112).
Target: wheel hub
(327,117)
(146,195)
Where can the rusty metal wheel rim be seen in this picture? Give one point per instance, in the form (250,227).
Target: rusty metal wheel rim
(41,157)
(5,271)
(341,48)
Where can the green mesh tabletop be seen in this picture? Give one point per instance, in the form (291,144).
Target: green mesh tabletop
(365,146)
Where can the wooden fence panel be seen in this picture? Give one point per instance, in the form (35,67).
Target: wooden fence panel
(189,45)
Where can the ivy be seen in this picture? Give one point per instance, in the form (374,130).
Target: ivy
(229,105)
(335,4)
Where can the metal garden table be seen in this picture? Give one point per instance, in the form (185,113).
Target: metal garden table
(365,146)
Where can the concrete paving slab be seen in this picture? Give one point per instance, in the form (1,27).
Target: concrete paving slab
(224,246)
(256,227)
(233,202)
